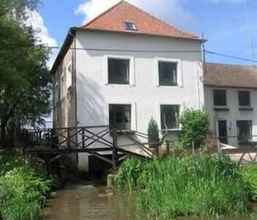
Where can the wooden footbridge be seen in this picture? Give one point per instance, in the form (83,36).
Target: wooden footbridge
(99,141)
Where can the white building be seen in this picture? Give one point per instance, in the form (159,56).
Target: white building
(231,101)
(124,68)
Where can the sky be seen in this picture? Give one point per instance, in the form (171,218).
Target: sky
(230,26)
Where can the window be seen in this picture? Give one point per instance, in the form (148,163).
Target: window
(219,97)
(222,131)
(118,71)
(120,117)
(167,73)
(244,98)
(130,26)
(244,131)
(169,116)
(69,75)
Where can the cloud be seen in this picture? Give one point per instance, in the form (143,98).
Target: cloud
(171,11)
(35,20)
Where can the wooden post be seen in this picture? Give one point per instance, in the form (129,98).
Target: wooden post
(114,149)
(83,138)
(68,138)
(218,145)
(167,147)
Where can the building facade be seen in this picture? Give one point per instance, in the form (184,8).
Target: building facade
(231,101)
(124,68)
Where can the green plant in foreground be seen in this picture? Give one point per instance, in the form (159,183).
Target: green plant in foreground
(249,175)
(23,191)
(186,185)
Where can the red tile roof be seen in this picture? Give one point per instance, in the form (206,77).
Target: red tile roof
(114,18)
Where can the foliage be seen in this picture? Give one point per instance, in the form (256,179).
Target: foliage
(195,126)
(23,190)
(153,133)
(249,174)
(25,80)
(185,185)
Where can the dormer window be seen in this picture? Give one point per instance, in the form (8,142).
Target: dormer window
(130,26)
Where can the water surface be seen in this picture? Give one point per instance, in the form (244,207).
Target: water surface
(87,202)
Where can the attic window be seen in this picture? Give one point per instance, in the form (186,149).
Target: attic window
(130,26)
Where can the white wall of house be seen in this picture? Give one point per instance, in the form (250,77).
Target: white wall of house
(94,94)
(233,114)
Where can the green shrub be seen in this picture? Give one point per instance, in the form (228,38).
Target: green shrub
(195,126)
(128,175)
(153,134)
(23,190)
(187,185)
(249,174)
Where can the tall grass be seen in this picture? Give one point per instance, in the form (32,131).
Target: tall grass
(23,190)
(185,186)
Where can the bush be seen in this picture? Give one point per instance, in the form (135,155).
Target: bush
(22,190)
(187,185)
(195,126)
(153,134)
(249,174)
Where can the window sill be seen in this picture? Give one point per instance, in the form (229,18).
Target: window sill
(168,86)
(246,108)
(221,108)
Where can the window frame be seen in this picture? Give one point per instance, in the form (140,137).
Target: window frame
(213,97)
(131,70)
(249,97)
(125,82)
(179,72)
(178,127)
(121,104)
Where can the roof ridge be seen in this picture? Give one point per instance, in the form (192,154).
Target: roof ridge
(103,13)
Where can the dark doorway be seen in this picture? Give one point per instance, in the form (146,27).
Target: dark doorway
(222,129)
(120,117)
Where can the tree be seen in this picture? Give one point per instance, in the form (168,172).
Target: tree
(153,134)
(195,125)
(25,82)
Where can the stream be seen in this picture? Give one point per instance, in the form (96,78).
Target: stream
(88,202)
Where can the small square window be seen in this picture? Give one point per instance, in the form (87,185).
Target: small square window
(130,26)
(219,97)
(169,117)
(118,71)
(244,98)
(167,73)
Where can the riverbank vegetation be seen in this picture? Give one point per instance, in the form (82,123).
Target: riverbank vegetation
(23,188)
(199,185)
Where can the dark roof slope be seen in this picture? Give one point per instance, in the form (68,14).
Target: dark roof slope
(228,75)
(114,18)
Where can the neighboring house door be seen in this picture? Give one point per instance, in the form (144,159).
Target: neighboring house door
(120,117)
(244,131)
(222,131)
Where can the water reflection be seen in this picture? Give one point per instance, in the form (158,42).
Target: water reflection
(84,202)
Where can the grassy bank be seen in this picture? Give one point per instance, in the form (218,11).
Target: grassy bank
(185,186)
(23,189)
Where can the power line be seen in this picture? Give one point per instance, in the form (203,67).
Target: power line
(142,51)
(230,56)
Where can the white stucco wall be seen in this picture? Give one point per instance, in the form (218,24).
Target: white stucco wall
(234,114)
(145,96)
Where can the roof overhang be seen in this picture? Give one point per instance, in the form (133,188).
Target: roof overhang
(65,47)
